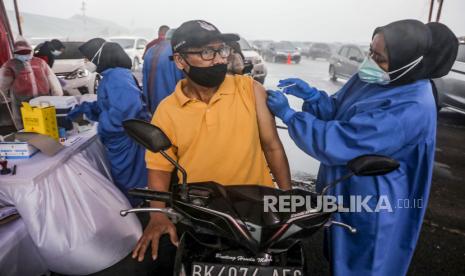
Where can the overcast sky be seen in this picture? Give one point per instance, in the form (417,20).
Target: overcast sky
(297,20)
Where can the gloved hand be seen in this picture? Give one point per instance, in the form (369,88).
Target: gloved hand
(74,113)
(279,106)
(301,89)
(90,109)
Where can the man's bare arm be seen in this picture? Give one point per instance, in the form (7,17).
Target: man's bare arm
(269,139)
(158,181)
(159,223)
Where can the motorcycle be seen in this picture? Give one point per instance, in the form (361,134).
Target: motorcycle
(226,230)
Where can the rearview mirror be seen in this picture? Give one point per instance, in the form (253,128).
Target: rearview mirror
(366,165)
(152,138)
(147,135)
(372,165)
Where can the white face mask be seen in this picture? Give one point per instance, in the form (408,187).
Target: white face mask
(56,53)
(370,72)
(23,58)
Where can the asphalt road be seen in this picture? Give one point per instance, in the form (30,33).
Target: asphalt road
(441,247)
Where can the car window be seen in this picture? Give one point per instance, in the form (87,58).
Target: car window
(244,44)
(125,43)
(71,51)
(284,46)
(344,51)
(461,53)
(366,50)
(354,52)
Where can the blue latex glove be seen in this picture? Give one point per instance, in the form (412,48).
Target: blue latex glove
(90,109)
(279,106)
(301,89)
(74,113)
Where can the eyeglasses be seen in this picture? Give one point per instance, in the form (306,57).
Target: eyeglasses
(376,56)
(210,53)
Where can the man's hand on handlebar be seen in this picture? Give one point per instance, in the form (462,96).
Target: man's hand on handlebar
(159,225)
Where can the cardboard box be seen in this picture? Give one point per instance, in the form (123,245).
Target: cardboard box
(40,120)
(16,150)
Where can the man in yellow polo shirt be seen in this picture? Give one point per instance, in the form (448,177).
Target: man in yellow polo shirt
(220,127)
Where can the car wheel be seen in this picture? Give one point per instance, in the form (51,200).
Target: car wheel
(332,73)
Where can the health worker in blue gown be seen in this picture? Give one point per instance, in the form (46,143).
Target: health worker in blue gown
(160,74)
(119,98)
(387,108)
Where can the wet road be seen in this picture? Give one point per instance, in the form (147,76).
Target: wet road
(441,247)
(316,74)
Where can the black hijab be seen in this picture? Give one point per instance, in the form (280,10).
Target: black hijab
(57,44)
(408,40)
(112,54)
(443,52)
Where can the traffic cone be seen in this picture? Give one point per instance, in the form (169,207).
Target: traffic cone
(288,58)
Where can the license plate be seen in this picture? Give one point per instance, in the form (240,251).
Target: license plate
(207,269)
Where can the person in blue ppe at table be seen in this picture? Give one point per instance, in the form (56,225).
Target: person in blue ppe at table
(388,108)
(159,74)
(119,98)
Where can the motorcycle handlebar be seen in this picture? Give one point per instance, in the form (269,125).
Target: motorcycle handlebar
(150,194)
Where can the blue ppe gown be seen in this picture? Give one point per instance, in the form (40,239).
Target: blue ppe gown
(362,118)
(160,74)
(119,99)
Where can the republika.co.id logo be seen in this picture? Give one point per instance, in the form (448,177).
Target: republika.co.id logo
(342,204)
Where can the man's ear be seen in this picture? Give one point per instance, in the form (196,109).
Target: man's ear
(179,61)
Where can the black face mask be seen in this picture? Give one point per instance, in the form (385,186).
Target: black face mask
(211,76)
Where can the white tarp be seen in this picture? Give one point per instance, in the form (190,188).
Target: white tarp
(71,208)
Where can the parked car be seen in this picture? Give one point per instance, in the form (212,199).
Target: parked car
(449,91)
(134,47)
(319,50)
(304,48)
(261,45)
(251,56)
(75,72)
(280,51)
(346,61)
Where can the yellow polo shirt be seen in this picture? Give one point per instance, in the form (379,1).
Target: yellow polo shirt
(218,141)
